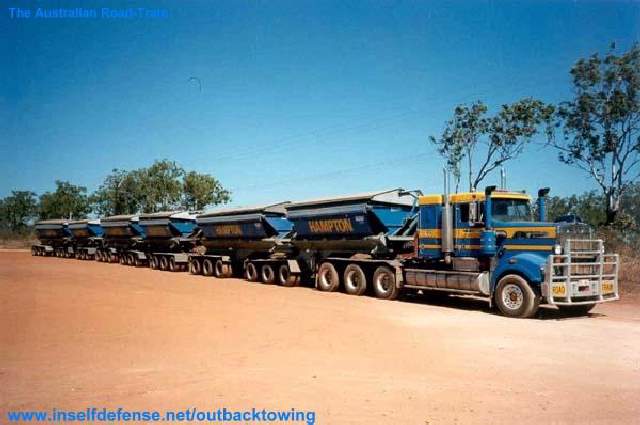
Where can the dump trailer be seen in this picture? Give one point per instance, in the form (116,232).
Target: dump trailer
(241,241)
(169,237)
(349,237)
(55,239)
(87,238)
(121,238)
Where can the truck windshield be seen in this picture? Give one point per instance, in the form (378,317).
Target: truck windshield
(511,209)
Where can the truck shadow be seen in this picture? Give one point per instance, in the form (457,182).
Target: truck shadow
(471,303)
(458,302)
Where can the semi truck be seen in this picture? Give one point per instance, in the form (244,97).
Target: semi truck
(168,240)
(478,243)
(55,239)
(87,238)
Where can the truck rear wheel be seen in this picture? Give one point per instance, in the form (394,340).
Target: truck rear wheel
(250,272)
(515,298)
(384,283)
(207,267)
(268,274)
(355,281)
(286,278)
(577,310)
(328,278)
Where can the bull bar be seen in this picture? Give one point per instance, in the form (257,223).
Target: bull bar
(582,274)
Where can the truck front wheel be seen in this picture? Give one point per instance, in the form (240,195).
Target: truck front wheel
(515,298)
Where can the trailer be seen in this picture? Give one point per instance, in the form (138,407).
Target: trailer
(169,238)
(55,239)
(349,239)
(122,235)
(87,238)
(242,241)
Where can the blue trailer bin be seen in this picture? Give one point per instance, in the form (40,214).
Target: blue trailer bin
(233,238)
(55,238)
(364,223)
(87,238)
(169,237)
(121,233)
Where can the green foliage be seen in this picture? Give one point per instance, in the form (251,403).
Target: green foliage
(601,124)
(487,142)
(18,210)
(118,194)
(68,201)
(164,185)
(588,206)
(201,190)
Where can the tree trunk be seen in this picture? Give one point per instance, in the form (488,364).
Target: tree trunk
(612,203)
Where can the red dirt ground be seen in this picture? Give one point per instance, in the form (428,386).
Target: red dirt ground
(75,334)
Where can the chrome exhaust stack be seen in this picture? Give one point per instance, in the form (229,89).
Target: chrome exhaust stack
(447,222)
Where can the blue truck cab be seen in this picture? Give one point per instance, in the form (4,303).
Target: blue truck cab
(489,244)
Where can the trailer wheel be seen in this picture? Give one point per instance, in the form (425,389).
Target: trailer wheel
(194,266)
(515,298)
(355,281)
(250,272)
(164,263)
(286,278)
(153,262)
(384,283)
(328,278)
(172,264)
(267,274)
(207,267)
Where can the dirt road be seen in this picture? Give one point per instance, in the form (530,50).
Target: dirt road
(75,334)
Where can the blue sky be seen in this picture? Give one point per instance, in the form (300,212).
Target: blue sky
(298,99)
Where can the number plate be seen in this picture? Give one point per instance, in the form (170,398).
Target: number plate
(559,290)
(607,287)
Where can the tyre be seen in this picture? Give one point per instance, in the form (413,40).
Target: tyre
(286,278)
(328,279)
(195,267)
(130,260)
(267,274)
(164,263)
(354,280)
(207,267)
(515,298)
(577,310)
(172,264)
(251,272)
(219,269)
(384,283)
(153,262)
(33,251)
(123,259)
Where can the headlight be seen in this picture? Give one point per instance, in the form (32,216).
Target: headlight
(557,249)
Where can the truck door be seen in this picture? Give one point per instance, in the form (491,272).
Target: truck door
(467,230)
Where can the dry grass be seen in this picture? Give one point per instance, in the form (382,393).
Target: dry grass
(17,243)
(629,275)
